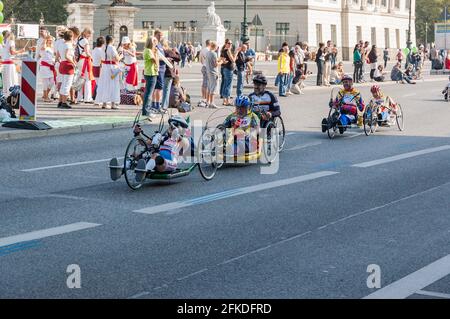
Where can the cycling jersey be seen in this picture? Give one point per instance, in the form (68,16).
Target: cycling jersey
(245,123)
(349,101)
(266,102)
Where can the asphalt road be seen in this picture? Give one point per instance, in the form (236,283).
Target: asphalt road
(308,231)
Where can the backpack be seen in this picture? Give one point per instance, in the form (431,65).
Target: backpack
(78,50)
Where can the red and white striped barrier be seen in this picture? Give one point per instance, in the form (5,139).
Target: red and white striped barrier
(27,110)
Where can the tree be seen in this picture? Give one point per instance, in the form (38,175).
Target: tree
(54,11)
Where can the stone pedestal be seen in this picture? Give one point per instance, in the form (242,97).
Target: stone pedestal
(81,15)
(121,19)
(214,33)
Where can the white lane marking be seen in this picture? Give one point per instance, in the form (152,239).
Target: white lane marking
(402,156)
(233,193)
(68,165)
(193,274)
(39,234)
(409,95)
(292,133)
(354,135)
(141,294)
(263,248)
(433,294)
(300,147)
(414,282)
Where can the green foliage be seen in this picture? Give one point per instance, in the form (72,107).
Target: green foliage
(30,10)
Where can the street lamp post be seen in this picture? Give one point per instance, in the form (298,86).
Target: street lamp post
(409,42)
(244,35)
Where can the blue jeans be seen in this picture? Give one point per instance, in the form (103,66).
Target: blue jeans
(240,83)
(150,83)
(166,92)
(283,83)
(290,80)
(227,81)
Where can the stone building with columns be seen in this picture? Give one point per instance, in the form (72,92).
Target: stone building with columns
(382,22)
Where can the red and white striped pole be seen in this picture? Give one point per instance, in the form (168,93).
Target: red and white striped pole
(27,109)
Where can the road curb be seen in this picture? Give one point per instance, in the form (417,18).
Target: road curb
(25,134)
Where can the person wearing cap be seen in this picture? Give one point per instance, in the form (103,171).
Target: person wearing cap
(129,54)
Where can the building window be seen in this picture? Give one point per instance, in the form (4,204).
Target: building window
(397,35)
(387,40)
(373,36)
(359,33)
(333,34)
(148,24)
(180,25)
(319,34)
(282,29)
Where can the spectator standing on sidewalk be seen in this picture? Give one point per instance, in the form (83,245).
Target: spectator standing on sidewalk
(130,60)
(47,70)
(373,60)
(212,68)
(357,63)
(174,58)
(157,93)
(327,66)
(151,67)
(66,69)
(84,66)
(365,49)
(320,61)
(227,72)
(203,54)
(183,54)
(98,55)
(386,57)
(241,66)
(283,70)
(400,56)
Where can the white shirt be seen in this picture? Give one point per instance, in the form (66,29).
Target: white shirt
(98,55)
(128,59)
(83,44)
(39,48)
(58,44)
(48,56)
(203,54)
(63,48)
(6,50)
(111,53)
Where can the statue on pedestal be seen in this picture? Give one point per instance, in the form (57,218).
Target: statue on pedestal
(213,18)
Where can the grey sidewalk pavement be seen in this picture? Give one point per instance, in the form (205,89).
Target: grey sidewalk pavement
(88,118)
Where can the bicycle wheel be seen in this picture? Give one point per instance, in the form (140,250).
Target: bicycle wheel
(220,144)
(136,150)
(332,123)
(279,123)
(270,142)
(370,121)
(207,155)
(400,118)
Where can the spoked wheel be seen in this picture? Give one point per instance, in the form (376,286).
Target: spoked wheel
(332,123)
(399,118)
(207,155)
(136,150)
(220,136)
(271,143)
(370,121)
(279,123)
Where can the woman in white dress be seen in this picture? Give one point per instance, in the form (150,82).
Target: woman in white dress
(84,66)
(47,69)
(98,56)
(66,69)
(108,89)
(8,51)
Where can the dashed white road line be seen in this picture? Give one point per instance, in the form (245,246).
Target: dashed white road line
(402,156)
(39,234)
(433,294)
(67,165)
(232,193)
(414,282)
(300,147)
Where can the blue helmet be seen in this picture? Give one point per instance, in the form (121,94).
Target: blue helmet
(242,101)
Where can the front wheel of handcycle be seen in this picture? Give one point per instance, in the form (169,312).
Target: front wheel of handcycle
(370,121)
(399,118)
(136,150)
(279,123)
(332,123)
(207,155)
(271,142)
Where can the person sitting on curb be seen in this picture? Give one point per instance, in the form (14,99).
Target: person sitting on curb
(398,75)
(177,93)
(378,76)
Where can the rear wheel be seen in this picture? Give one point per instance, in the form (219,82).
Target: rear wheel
(399,118)
(137,149)
(207,155)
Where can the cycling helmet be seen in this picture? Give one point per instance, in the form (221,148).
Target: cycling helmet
(260,79)
(375,89)
(178,121)
(347,77)
(242,101)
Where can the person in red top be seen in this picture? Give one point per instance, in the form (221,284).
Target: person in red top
(292,67)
